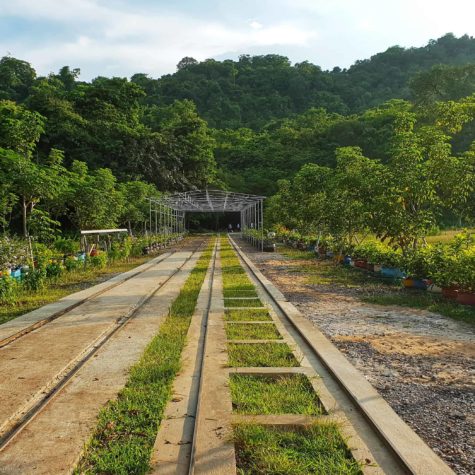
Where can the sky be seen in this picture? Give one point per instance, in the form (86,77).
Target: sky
(123,37)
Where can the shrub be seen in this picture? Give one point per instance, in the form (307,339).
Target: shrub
(463,271)
(418,263)
(54,270)
(377,252)
(115,252)
(66,246)
(72,264)
(34,280)
(43,255)
(8,290)
(98,261)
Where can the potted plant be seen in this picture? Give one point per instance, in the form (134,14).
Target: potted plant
(465,275)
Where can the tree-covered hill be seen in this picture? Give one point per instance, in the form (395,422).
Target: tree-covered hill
(255,89)
(243,125)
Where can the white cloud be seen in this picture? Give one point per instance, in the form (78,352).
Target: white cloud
(127,41)
(255,25)
(122,37)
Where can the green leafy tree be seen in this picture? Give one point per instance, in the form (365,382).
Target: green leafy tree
(20,129)
(95,201)
(135,211)
(16,78)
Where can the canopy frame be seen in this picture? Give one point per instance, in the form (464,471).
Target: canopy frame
(167,213)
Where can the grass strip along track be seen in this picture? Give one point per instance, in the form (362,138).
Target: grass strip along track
(127,426)
(317,447)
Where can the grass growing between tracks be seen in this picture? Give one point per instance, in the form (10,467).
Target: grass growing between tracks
(261,354)
(247,355)
(274,395)
(234,302)
(239,293)
(261,331)
(70,282)
(128,426)
(318,449)
(256,314)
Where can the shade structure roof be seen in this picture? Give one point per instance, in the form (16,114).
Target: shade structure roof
(210,201)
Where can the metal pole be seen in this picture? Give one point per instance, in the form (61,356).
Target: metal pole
(150,215)
(262,225)
(156,219)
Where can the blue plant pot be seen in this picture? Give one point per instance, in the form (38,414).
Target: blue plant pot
(392,272)
(419,284)
(347,261)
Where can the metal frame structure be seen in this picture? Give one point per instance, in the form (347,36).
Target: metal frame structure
(96,234)
(168,212)
(164,219)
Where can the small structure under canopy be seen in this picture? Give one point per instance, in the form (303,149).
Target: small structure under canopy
(169,210)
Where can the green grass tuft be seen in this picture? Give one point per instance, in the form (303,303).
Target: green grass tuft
(318,449)
(291,394)
(239,293)
(260,354)
(247,315)
(234,302)
(261,331)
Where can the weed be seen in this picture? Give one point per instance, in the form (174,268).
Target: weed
(256,314)
(291,394)
(260,354)
(266,331)
(318,449)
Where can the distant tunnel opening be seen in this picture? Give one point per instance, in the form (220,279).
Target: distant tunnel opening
(215,222)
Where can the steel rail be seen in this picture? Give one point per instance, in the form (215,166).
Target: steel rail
(29,411)
(408,463)
(38,324)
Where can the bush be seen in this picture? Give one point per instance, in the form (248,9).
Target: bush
(72,264)
(419,263)
(34,280)
(54,270)
(66,246)
(463,272)
(8,290)
(450,264)
(98,261)
(377,252)
(115,252)
(43,255)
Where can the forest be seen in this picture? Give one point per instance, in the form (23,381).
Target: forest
(396,128)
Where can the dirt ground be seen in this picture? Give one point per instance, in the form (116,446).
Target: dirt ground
(422,363)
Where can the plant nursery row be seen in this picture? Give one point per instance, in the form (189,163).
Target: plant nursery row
(446,268)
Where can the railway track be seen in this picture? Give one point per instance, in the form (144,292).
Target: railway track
(31,406)
(105,287)
(196,433)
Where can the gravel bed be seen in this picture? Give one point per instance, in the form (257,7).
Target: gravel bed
(422,363)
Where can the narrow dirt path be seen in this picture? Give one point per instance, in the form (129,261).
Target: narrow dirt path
(422,363)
